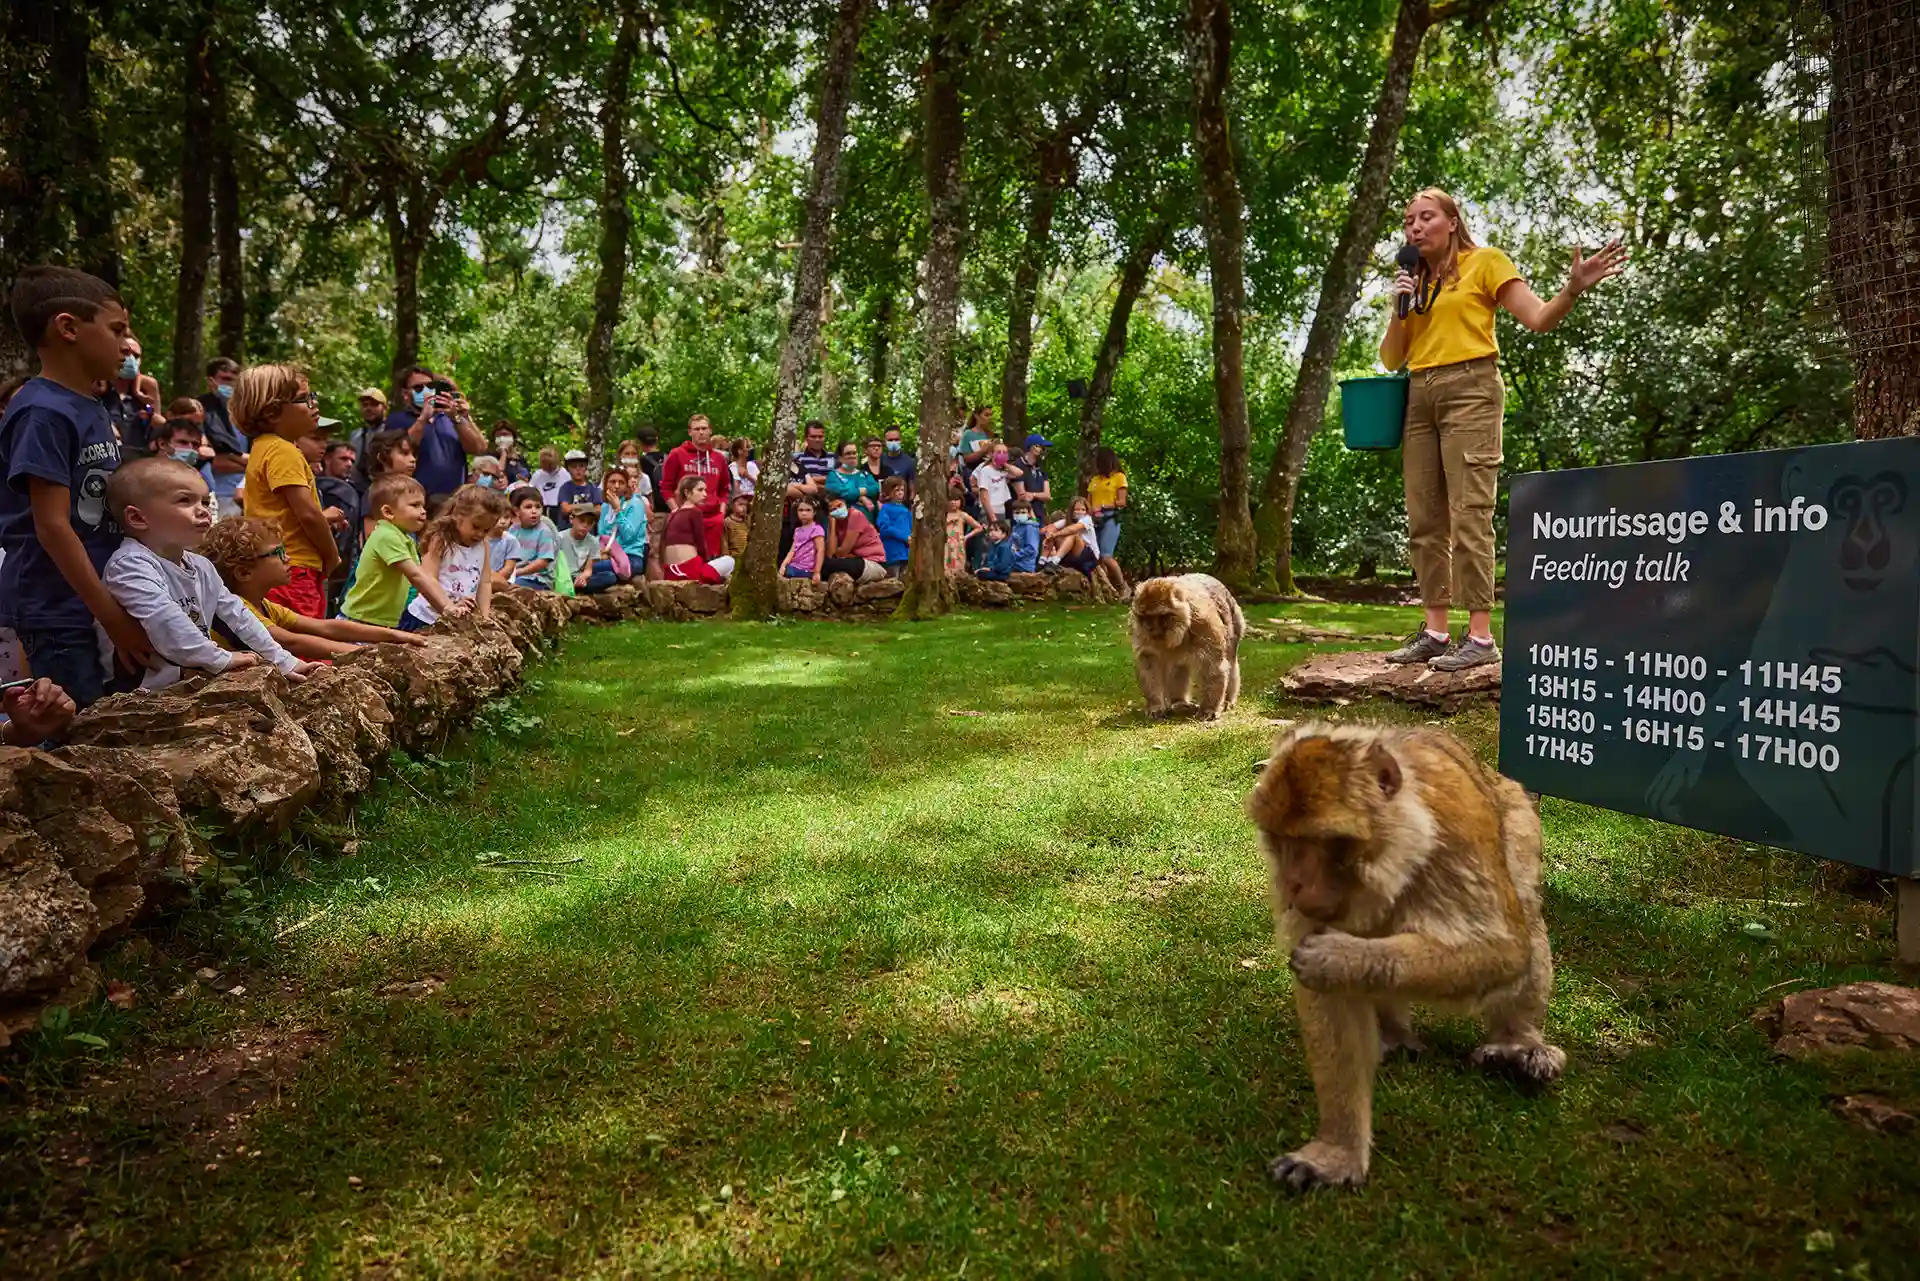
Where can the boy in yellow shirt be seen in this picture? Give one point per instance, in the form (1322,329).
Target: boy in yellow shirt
(274,406)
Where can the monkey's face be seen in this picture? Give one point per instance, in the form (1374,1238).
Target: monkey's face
(1317,878)
(1162,614)
(1316,805)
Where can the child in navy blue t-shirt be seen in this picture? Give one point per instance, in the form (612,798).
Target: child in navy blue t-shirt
(60,447)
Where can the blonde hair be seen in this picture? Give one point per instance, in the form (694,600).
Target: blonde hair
(260,393)
(467,501)
(1460,239)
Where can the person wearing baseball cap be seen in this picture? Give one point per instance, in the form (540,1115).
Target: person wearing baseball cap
(1033,484)
(373,414)
(577,488)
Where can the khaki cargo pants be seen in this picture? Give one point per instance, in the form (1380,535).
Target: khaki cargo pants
(1450,452)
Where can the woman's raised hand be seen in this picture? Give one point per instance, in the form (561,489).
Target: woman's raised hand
(1608,261)
(1404,285)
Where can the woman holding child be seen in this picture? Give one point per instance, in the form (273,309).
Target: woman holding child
(1451,443)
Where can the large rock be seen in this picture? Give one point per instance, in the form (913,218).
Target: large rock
(438,684)
(623,601)
(347,713)
(702,598)
(802,596)
(47,919)
(840,590)
(84,836)
(1071,584)
(1870,1015)
(229,744)
(884,589)
(981,592)
(1342,678)
(1031,586)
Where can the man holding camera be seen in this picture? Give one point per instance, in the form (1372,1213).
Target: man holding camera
(437,420)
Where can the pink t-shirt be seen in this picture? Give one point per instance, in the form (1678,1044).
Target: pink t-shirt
(805,550)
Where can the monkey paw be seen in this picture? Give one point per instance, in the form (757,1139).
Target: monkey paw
(1326,1168)
(1327,962)
(1528,1065)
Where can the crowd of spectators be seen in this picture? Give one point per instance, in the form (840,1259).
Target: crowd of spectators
(242,526)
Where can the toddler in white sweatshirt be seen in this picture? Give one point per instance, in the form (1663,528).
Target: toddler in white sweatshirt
(172,592)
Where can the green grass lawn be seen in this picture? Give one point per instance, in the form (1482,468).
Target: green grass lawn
(918,951)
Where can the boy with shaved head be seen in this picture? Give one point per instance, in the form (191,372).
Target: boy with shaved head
(172,592)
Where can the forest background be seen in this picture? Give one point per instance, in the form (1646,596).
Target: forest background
(589,214)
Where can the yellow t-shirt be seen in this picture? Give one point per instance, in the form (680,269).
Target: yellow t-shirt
(274,615)
(1102,490)
(274,463)
(1459,323)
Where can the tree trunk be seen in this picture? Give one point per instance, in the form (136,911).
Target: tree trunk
(755,590)
(616,224)
(879,364)
(196,214)
(1113,345)
(929,593)
(1056,162)
(1873,133)
(226,225)
(408,221)
(1339,288)
(1209,53)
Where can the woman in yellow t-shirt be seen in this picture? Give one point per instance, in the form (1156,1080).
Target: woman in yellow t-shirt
(1107,496)
(1451,447)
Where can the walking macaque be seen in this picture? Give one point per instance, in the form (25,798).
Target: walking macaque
(1184,628)
(1403,871)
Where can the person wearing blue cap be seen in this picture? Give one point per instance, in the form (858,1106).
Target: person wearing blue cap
(1033,484)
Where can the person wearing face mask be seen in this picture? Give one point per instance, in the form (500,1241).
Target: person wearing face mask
(853,545)
(489,474)
(993,482)
(851,483)
(229,444)
(506,447)
(132,399)
(897,460)
(441,428)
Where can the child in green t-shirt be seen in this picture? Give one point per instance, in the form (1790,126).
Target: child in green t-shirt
(389,561)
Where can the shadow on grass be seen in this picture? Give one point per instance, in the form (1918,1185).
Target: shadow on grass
(857,987)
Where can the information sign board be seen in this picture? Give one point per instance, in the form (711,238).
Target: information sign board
(1726,642)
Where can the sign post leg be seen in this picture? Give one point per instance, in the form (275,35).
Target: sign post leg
(1907,922)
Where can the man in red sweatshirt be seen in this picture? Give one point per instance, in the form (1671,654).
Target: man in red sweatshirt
(698,458)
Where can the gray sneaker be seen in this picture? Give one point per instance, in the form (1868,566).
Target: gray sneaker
(1420,647)
(1468,653)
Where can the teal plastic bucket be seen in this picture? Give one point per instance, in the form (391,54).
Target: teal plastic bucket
(1373,411)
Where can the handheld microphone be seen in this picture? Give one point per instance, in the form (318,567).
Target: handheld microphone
(1408,260)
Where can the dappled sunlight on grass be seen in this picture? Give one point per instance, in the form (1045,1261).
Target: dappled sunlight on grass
(847,982)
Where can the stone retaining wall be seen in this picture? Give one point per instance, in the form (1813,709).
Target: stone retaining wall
(108,826)
(98,831)
(838,597)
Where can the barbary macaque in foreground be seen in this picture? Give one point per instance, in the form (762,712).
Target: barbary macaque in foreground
(1186,631)
(1403,871)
